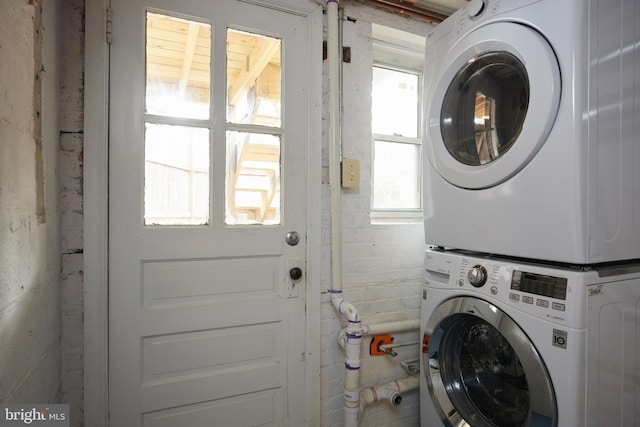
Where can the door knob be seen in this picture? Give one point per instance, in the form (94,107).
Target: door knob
(295,273)
(292,238)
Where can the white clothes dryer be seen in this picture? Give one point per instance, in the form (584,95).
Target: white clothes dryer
(515,344)
(532,130)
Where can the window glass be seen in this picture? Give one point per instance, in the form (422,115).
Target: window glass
(396,178)
(253,178)
(395,102)
(396,174)
(178,55)
(176,141)
(176,190)
(254,84)
(484,108)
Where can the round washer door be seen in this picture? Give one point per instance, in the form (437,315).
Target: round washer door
(492,104)
(482,370)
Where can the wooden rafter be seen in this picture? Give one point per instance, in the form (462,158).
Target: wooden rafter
(261,55)
(187,61)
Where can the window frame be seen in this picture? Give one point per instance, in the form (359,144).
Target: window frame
(406,58)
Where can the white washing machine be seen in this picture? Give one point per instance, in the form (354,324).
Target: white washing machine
(515,344)
(532,129)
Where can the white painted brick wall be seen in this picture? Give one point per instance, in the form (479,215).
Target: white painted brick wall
(382,263)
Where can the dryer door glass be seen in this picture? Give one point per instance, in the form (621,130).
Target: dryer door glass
(490,104)
(484,108)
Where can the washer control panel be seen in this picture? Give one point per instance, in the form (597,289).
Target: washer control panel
(553,293)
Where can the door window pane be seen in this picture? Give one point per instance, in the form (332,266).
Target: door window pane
(176,187)
(253,79)
(253,178)
(178,67)
(396,178)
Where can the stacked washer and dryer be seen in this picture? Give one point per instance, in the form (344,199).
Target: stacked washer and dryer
(531,306)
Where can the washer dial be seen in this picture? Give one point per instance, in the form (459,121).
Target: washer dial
(477,276)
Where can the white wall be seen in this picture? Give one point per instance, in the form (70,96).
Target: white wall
(29,218)
(382,264)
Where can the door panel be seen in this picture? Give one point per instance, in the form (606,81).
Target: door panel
(204,320)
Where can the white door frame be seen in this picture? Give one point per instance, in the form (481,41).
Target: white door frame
(95,194)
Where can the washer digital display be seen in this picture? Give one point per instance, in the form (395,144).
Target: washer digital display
(539,284)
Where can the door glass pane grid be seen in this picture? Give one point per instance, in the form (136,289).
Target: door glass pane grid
(178,83)
(253,151)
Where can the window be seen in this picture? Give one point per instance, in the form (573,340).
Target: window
(395,125)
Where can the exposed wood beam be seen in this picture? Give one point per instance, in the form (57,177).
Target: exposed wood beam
(190,48)
(261,55)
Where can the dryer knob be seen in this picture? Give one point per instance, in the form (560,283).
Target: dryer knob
(476,8)
(477,276)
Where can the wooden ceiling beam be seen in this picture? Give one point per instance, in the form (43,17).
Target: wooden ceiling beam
(190,48)
(261,55)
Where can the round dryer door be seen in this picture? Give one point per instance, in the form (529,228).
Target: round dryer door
(492,104)
(482,369)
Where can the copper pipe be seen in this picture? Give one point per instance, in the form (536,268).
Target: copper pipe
(406,8)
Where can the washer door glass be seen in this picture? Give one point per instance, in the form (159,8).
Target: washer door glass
(482,369)
(491,104)
(484,108)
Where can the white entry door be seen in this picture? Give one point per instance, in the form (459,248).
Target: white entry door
(208,154)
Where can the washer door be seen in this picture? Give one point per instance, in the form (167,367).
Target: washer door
(482,370)
(492,105)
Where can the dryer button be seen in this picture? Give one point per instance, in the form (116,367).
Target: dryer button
(514,297)
(528,300)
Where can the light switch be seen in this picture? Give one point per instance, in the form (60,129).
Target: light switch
(350,173)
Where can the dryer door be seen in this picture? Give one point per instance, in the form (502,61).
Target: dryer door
(483,371)
(491,105)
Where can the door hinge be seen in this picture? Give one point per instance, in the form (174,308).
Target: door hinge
(109,26)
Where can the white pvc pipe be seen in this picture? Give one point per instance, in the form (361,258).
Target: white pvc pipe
(382,328)
(354,329)
(391,391)
(333,58)
(391,327)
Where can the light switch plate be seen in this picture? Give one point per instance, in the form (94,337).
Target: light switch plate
(350,173)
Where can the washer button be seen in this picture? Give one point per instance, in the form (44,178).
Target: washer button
(557,306)
(514,297)
(528,300)
(542,303)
